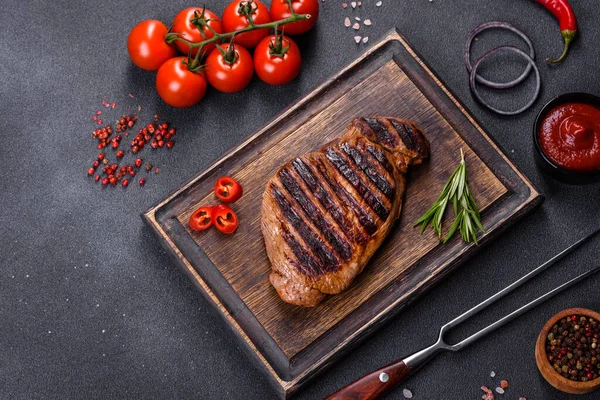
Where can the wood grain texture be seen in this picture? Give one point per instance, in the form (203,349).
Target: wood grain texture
(242,259)
(375,384)
(290,343)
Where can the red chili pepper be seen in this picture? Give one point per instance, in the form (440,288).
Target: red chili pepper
(201,219)
(228,189)
(561,9)
(225,219)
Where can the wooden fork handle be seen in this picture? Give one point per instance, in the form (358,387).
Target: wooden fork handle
(375,384)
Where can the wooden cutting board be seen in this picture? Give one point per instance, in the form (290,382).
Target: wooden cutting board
(292,344)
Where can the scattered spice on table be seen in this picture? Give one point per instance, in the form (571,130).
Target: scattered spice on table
(366,22)
(156,134)
(572,348)
(500,389)
(488,394)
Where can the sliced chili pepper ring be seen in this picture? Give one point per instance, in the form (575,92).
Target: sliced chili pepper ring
(225,219)
(228,189)
(473,83)
(498,25)
(202,218)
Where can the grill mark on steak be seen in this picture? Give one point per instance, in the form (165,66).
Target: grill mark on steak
(381,132)
(361,160)
(340,245)
(407,135)
(307,264)
(380,156)
(329,262)
(363,189)
(326,200)
(364,217)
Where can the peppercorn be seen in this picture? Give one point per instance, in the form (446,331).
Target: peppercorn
(142,182)
(91,171)
(572,349)
(138,162)
(125,183)
(120,154)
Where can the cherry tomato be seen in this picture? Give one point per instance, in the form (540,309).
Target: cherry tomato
(147,47)
(202,218)
(274,64)
(228,189)
(177,85)
(193,24)
(281,10)
(225,219)
(229,70)
(234,19)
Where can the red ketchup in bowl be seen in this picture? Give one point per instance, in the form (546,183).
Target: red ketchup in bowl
(569,135)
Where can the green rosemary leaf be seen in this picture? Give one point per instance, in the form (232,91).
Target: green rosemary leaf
(453,228)
(455,205)
(467,219)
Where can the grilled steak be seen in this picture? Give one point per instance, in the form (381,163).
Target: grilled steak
(325,213)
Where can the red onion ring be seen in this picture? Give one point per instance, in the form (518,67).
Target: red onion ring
(531,63)
(500,25)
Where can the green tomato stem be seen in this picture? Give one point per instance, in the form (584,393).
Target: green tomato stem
(172,36)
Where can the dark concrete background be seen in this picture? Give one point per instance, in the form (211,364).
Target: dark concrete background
(91,306)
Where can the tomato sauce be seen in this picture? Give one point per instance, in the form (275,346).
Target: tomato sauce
(569,135)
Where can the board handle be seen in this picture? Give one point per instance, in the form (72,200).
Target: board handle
(375,384)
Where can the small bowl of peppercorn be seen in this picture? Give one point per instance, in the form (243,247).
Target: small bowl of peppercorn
(567,351)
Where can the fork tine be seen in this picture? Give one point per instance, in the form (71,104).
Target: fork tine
(467,341)
(491,300)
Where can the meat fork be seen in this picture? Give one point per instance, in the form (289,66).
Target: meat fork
(383,380)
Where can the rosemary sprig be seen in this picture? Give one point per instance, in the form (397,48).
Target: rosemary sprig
(456,191)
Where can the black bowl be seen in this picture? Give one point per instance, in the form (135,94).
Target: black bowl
(545,163)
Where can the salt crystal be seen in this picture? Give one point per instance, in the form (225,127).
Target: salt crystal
(356,18)
(353,4)
(367,22)
(365,39)
(492,374)
(407,394)
(356,26)
(378,4)
(499,390)
(347,22)
(357,39)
